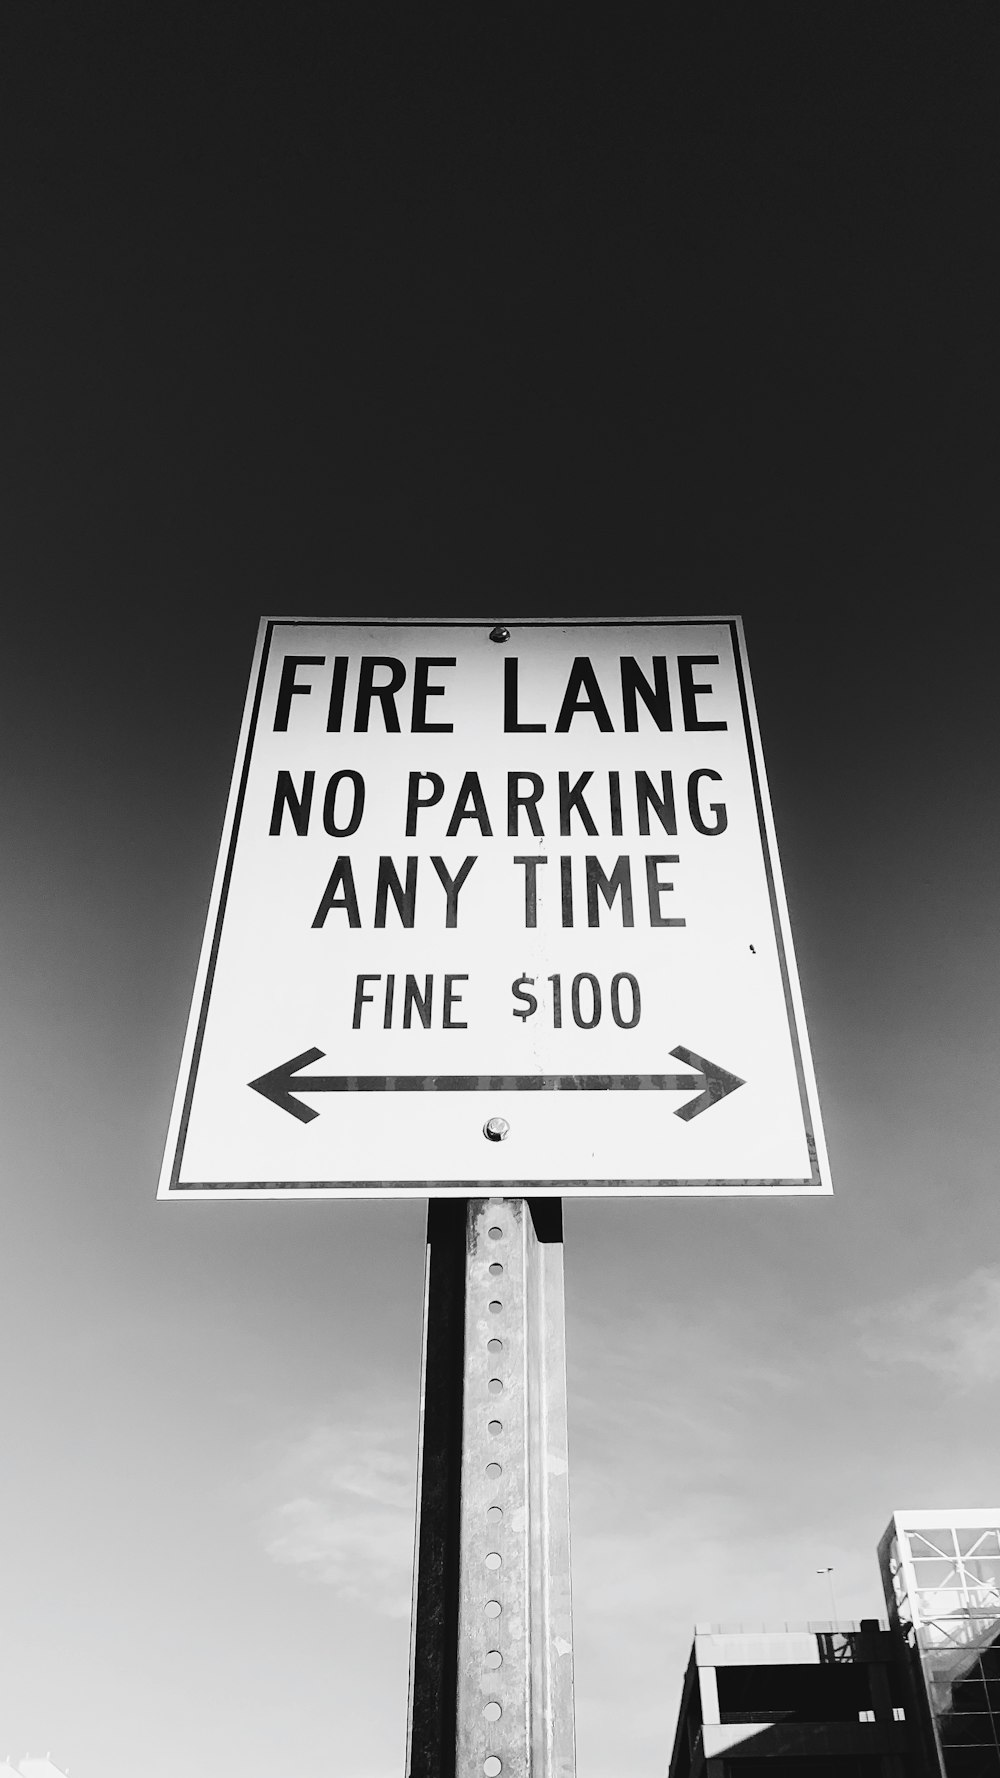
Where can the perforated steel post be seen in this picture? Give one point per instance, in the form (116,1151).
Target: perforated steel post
(491,1686)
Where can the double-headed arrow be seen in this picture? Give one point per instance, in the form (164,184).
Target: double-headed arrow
(281,1084)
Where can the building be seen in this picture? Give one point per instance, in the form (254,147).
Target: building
(941,1575)
(821,1701)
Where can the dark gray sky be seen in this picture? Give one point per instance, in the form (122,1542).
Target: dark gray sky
(348,311)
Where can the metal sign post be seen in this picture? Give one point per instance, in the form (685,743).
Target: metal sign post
(491,1669)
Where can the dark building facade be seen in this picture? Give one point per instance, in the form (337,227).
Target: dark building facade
(823,1701)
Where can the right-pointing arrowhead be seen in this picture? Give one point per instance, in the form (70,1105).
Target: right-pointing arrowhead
(715,1081)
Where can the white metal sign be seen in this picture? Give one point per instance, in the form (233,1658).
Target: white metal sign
(497,905)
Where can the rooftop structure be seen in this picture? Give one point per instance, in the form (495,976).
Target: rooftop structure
(818,1702)
(32,1765)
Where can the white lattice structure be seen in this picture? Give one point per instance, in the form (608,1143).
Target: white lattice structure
(941,1574)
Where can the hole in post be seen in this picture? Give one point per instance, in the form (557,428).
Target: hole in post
(495,1428)
(495,1307)
(493,1659)
(494,1514)
(492,1711)
(492,1766)
(495,1233)
(493,1560)
(495,1386)
(494,1471)
(492,1608)
(495,1269)
(494,1345)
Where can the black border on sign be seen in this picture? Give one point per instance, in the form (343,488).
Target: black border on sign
(475,1187)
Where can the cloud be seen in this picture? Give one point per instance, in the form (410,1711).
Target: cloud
(342,1507)
(654,1385)
(951,1330)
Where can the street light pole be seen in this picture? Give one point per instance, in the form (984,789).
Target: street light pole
(833,1597)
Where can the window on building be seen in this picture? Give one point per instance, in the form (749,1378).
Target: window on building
(830,1766)
(970,1762)
(794,1693)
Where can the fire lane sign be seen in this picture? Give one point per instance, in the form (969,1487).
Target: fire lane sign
(497,906)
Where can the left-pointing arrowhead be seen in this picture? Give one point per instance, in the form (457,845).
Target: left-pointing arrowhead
(278,1083)
(715,1082)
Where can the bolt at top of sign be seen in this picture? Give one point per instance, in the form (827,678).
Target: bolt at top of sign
(480,876)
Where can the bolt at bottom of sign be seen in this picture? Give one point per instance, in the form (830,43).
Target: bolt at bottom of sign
(495,1129)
